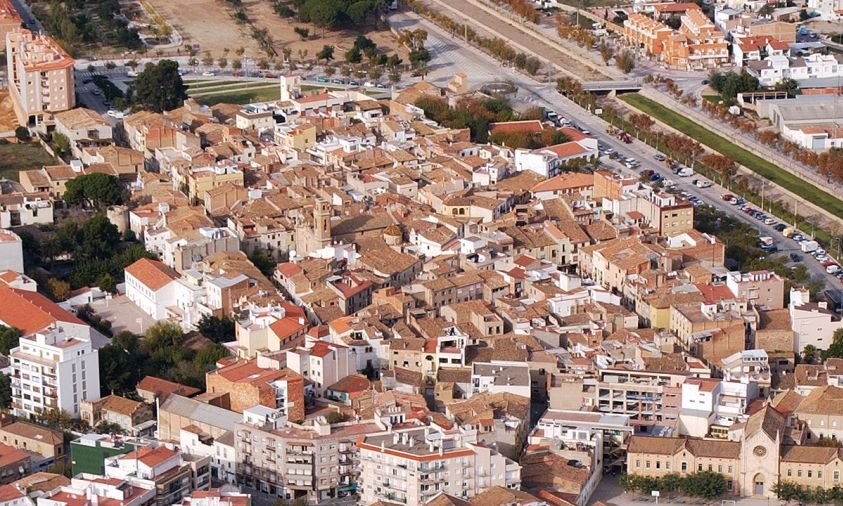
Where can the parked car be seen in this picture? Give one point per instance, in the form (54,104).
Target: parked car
(660,157)
(728,197)
(208,73)
(795,257)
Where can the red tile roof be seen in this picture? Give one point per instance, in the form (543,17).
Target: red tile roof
(573,134)
(8,493)
(714,293)
(529,126)
(675,7)
(152,273)
(351,384)
(293,322)
(31,312)
(566,181)
(288,269)
(567,149)
(162,388)
(10,455)
(150,456)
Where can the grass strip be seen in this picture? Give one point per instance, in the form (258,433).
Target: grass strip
(753,162)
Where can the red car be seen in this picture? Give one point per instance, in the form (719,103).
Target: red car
(728,196)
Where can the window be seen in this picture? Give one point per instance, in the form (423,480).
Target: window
(730,469)
(699,467)
(810,473)
(638,464)
(648,464)
(684,467)
(789,473)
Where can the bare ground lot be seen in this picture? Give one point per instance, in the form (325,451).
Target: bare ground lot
(209,24)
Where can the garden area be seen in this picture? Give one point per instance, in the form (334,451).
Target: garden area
(15,157)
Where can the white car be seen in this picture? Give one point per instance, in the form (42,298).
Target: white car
(208,74)
(115,114)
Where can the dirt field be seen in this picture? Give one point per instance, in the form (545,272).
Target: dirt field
(214,30)
(282,33)
(207,23)
(7,113)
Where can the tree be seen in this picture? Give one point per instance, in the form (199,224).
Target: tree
(9,337)
(22,134)
(334,417)
(835,350)
(791,86)
(394,76)
(353,55)
(625,61)
(59,290)
(121,361)
(98,239)
(5,391)
(217,329)
(208,356)
(606,52)
(222,63)
(237,64)
(329,71)
(97,190)
(106,283)
(263,260)
(61,144)
(163,334)
(159,87)
(302,32)
(326,53)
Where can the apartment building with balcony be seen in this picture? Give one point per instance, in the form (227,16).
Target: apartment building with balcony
(315,462)
(172,474)
(412,466)
(645,33)
(53,371)
(605,435)
(40,75)
(651,399)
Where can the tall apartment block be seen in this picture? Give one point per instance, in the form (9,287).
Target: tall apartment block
(40,77)
(53,371)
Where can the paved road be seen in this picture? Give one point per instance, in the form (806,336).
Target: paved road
(522,39)
(29,19)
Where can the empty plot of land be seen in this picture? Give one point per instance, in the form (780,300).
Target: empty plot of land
(207,23)
(23,156)
(281,30)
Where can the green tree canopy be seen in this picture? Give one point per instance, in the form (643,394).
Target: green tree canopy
(9,337)
(159,87)
(98,190)
(217,329)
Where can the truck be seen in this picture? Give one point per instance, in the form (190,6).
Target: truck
(551,116)
(808,246)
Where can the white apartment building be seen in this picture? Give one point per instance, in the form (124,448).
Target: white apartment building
(11,251)
(711,406)
(53,371)
(220,451)
(40,75)
(500,377)
(412,466)
(778,67)
(152,286)
(323,363)
(812,322)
